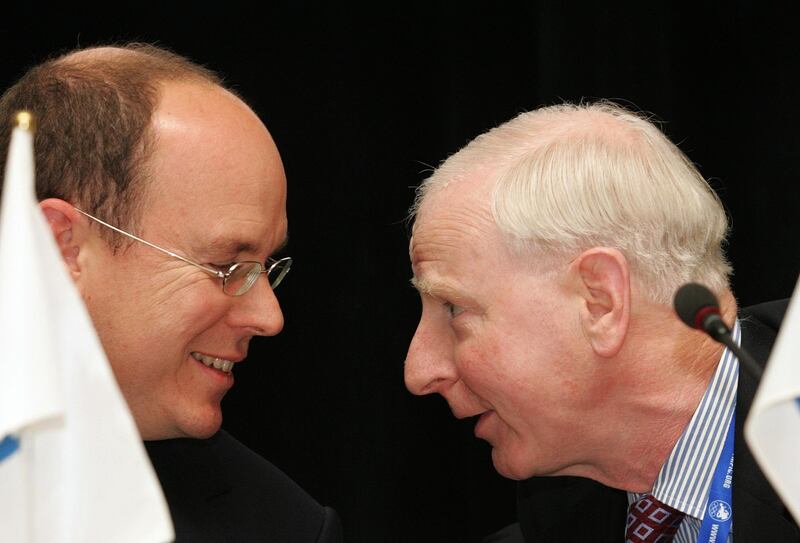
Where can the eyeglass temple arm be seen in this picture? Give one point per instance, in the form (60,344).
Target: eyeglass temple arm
(212,271)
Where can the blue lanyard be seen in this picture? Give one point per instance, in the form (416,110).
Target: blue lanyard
(719,508)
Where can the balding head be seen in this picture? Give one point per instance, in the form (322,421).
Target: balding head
(136,134)
(93,109)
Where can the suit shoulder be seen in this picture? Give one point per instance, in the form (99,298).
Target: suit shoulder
(244,466)
(769,314)
(220,490)
(255,480)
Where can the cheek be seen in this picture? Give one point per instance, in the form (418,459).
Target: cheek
(167,335)
(512,370)
(190,314)
(484,365)
(170,317)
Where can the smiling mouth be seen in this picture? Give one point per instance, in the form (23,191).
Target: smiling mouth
(220,364)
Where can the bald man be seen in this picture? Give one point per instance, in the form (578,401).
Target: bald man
(167,198)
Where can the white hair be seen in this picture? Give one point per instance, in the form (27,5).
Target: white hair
(571,177)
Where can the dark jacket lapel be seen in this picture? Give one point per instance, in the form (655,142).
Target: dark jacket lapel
(189,476)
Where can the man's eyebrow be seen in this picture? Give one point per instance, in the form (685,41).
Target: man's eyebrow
(234,246)
(431,288)
(421,285)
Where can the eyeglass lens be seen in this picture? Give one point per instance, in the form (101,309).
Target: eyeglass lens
(243,275)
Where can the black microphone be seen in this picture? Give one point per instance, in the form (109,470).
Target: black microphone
(698,308)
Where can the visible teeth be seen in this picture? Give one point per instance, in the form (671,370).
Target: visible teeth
(212,361)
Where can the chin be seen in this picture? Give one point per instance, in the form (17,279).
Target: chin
(180,421)
(509,468)
(517,467)
(204,432)
(200,426)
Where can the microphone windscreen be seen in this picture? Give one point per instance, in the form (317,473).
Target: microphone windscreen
(690,299)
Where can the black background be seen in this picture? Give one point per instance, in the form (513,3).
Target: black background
(362,102)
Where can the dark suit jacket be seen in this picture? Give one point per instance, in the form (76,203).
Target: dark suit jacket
(218,490)
(567,509)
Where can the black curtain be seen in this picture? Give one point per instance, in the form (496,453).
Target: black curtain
(363,102)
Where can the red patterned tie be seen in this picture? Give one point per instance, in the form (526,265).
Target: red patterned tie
(650,521)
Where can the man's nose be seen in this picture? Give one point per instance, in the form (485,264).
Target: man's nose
(258,310)
(429,366)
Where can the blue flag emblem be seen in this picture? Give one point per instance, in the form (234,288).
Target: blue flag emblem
(8,446)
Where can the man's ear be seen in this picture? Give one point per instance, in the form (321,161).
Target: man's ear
(602,278)
(65,223)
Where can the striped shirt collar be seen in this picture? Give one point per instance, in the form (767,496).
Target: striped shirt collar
(685,478)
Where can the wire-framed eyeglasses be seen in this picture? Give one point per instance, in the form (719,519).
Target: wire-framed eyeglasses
(236,280)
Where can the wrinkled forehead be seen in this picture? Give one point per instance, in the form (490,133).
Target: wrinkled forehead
(454,218)
(450,187)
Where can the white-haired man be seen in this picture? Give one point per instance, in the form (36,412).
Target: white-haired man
(546,253)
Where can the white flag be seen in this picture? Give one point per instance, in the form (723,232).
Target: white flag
(773,427)
(72,465)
